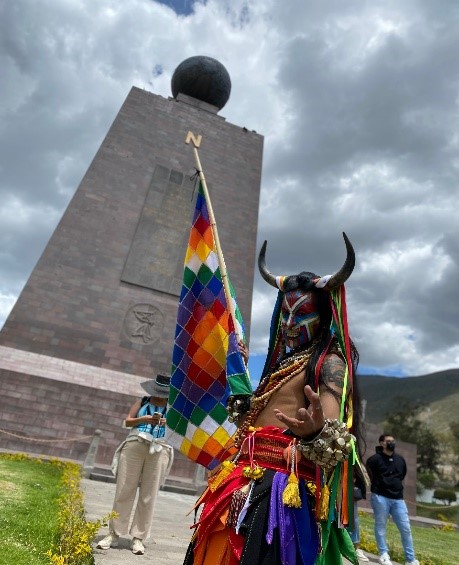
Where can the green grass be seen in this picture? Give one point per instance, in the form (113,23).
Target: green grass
(432,546)
(438,512)
(42,518)
(29,490)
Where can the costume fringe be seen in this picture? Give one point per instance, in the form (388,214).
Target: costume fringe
(225,470)
(324,504)
(291,494)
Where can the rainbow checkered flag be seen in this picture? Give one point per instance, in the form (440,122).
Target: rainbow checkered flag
(207,366)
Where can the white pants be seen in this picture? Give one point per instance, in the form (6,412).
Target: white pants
(137,465)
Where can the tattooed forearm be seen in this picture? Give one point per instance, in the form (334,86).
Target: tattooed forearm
(332,372)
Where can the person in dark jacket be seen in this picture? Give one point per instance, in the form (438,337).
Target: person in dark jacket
(387,470)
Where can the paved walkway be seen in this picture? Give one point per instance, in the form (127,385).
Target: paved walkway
(171,527)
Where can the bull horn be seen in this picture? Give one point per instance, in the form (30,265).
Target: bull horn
(269,277)
(345,272)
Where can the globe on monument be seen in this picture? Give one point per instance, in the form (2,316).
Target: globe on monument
(203,78)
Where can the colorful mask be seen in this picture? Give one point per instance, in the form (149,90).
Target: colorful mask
(300,318)
(304,323)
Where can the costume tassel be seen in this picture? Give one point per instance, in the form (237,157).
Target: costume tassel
(291,494)
(324,503)
(216,480)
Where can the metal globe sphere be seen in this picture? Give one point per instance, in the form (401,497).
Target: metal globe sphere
(203,78)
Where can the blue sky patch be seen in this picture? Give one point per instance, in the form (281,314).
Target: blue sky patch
(180,7)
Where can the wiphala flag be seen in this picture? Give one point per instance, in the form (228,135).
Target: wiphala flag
(206,364)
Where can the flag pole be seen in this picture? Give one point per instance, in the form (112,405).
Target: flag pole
(213,224)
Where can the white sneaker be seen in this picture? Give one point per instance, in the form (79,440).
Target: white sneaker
(137,547)
(109,541)
(361,556)
(384,559)
(414,562)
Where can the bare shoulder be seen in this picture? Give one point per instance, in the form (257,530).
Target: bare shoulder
(332,371)
(134,409)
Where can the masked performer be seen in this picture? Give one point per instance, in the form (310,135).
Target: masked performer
(285,497)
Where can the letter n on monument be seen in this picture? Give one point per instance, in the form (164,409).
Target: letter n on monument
(97,316)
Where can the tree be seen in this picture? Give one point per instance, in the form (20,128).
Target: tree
(407,426)
(454,428)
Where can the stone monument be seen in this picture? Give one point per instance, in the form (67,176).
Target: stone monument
(97,316)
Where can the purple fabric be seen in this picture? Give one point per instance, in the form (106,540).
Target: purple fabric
(281,516)
(298,533)
(272,518)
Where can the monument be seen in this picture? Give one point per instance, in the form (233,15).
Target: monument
(97,316)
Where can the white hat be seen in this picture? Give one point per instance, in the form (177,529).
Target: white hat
(158,387)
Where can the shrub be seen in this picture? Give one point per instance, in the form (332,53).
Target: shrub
(447,495)
(76,534)
(427,480)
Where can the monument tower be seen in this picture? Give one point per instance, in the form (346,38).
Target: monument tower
(97,316)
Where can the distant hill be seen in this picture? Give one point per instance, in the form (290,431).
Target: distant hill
(439,392)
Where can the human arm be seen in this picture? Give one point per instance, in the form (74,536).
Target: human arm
(404,469)
(133,420)
(324,439)
(325,442)
(370,468)
(309,420)
(238,405)
(323,405)
(331,385)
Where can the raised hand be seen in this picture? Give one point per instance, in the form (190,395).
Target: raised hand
(309,420)
(154,419)
(243,351)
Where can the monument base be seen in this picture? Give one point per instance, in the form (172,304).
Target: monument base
(52,407)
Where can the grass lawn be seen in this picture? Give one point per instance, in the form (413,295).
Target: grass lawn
(432,546)
(42,517)
(437,512)
(29,491)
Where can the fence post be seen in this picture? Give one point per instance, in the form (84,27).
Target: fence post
(90,458)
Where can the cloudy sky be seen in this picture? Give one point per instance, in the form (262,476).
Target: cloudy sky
(358,103)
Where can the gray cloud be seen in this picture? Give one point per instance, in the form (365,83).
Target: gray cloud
(357,102)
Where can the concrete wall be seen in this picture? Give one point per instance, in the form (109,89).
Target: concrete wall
(408,451)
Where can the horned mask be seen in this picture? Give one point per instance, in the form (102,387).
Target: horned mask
(306,280)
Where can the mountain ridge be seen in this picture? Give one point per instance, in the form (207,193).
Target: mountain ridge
(437,392)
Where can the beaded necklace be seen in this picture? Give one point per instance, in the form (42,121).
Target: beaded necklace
(288,368)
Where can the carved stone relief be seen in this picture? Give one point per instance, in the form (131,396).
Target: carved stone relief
(143,324)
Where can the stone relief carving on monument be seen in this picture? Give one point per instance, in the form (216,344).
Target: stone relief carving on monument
(143,323)
(155,258)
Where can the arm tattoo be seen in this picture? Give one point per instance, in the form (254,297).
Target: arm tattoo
(332,372)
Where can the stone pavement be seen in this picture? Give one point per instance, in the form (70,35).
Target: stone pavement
(171,527)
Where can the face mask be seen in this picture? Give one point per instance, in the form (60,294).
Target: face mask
(390,445)
(300,319)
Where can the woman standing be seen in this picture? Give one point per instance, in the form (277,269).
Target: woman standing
(141,461)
